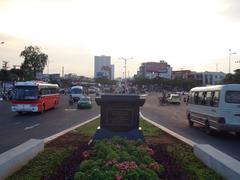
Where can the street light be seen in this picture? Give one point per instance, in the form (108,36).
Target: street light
(229,59)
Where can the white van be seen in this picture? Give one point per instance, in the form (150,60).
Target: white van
(215,107)
(76,93)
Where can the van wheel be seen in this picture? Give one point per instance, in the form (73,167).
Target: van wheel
(190,122)
(207,129)
(237,134)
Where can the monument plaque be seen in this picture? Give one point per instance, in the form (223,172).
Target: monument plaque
(119,116)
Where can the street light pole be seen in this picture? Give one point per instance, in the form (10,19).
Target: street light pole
(229,60)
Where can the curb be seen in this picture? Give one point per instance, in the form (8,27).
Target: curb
(220,162)
(55,136)
(13,159)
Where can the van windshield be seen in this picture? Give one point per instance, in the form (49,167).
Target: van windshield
(76,91)
(232,97)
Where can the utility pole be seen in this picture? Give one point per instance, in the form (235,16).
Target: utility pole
(229,60)
(63,71)
(125,69)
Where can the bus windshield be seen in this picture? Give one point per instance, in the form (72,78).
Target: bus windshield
(26,93)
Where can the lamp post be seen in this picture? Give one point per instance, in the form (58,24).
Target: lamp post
(229,59)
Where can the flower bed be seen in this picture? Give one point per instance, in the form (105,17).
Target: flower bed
(119,159)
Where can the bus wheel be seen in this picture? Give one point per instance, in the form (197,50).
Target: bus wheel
(190,122)
(207,129)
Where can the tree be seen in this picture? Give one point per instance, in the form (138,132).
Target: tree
(34,61)
(232,78)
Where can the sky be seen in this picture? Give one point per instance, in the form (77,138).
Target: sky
(188,34)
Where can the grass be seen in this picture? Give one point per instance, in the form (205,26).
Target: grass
(43,164)
(148,129)
(184,155)
(88,129)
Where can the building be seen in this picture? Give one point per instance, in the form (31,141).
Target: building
(155,69)
(103,67)
(183,74)
(208,78)
(213,78)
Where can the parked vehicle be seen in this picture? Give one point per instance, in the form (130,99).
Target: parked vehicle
(174,99)
(84,102)
(215,107)
(76,93)
(34,96)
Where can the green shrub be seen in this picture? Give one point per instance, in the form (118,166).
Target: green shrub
(117,158)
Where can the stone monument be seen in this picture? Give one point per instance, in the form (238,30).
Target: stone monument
(119,116)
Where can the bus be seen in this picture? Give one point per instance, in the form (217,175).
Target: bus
(215,107)
(34,96)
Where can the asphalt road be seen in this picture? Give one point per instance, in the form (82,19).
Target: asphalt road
(16,129)
(174,118)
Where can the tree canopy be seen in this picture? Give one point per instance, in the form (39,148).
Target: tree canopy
(233,78)
(34,61)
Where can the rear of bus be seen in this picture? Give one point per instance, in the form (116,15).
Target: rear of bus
(230,108)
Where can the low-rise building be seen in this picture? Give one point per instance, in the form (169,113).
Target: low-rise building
(208,78)
(183,74)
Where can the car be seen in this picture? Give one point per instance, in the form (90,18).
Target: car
(84,102)
(174,99)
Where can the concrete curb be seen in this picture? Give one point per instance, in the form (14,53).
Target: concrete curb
(181,138)
(220,162)
(50,138)
(14,159)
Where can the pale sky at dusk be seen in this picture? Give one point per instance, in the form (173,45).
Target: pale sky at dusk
(188,34)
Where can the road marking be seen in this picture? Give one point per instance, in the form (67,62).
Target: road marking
(70,109)
(30,127)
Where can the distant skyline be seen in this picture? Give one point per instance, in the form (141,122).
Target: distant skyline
(188,34)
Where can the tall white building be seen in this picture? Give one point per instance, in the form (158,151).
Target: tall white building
(103,67)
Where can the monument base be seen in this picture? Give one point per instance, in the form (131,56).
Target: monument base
(103,133)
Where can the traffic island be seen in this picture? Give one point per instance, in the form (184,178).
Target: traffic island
(163,155)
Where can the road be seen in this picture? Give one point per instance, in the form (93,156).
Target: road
(174,118)
(16,129)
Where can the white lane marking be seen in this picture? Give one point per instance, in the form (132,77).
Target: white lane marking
(70,109)
(30,127)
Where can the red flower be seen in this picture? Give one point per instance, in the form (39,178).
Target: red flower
(150,151)
(118,177)
(86,154)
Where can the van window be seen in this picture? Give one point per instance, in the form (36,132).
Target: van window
(200,98)
(216,96)
(232,97)
(208,98)
(196,98)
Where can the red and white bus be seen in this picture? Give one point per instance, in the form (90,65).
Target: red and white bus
(34,96)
